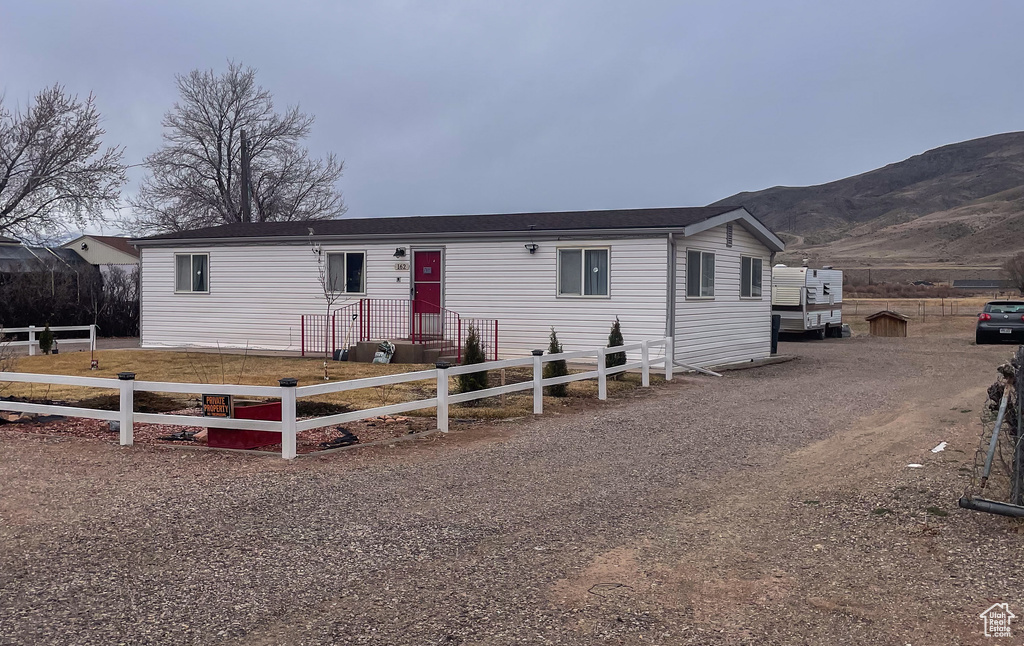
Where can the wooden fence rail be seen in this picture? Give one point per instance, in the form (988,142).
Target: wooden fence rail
(33,339)
(289,391)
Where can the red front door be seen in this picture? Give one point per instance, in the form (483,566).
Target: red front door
(426,292)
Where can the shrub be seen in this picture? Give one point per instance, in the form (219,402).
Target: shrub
(46,340)
(473,353)
(615,340)
(556,368)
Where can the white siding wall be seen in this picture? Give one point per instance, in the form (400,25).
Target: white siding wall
(257,293)
(726,329)
(502,280)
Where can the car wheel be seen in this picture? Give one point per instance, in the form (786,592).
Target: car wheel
(980,339)
(820,333)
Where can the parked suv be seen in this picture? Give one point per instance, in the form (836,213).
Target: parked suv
(1000,321)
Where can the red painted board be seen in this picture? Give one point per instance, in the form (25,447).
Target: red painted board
(230,438)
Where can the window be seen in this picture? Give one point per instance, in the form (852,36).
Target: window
(700,274)
(191,273)
(750,277)
(346,272)
(582,272)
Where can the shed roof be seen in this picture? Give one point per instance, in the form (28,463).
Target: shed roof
(6,240)
(482,225)
(888,313)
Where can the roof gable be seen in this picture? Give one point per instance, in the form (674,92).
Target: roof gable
(114,242)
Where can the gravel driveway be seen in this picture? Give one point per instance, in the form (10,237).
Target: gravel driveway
(683,514)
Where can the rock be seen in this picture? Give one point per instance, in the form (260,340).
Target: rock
(10,417)
(114,426)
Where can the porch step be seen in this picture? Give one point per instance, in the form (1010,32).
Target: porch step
(405,352)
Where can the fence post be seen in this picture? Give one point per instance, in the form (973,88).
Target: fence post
(645,364)
(602,377)
(670,357)
(127,409)
(442,395)
(538,386)
(288,417)
(92,338)
(31,340)
(302,335)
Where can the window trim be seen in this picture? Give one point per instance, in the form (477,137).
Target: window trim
(686,274)
(583,273)
(752,258)
(345,253)
(192,269)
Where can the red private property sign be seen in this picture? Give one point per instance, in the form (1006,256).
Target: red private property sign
(217,406)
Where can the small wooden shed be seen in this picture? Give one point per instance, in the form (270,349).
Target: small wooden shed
(887,323)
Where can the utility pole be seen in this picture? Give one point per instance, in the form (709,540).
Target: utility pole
(246,181)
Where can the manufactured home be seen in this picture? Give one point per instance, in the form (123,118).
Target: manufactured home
(701,275)
(808,300)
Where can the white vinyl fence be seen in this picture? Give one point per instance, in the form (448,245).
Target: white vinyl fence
(289,392)
(33,339)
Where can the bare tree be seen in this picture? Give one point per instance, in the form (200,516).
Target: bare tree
(195,179)
(52,171)
(1014,268)
(331,291)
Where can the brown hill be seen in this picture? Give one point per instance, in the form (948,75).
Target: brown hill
(961,204)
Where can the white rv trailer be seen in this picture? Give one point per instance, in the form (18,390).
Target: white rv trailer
(808,299)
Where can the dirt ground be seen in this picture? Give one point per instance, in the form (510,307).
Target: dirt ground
(771,506)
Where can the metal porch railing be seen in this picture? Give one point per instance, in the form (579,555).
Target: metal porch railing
(392,319)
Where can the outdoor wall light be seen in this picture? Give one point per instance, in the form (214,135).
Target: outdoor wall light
(532,248)
(85,246)
(400,252)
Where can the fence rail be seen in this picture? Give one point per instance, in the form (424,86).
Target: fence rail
(289,392)
(33,340)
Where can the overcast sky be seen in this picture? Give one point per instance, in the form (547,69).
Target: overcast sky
(472,107)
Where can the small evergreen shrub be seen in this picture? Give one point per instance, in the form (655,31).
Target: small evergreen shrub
(46,340)
(473,352)
(615,340)
(556,368)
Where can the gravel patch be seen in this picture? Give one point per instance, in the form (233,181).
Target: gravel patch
(627,523)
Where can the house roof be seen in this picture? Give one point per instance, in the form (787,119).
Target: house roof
(6,240)
(888,313)
(115,242)
(479,225)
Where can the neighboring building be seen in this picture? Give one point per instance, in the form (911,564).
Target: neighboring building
(701,275)
(105,251)
(23,259)
(8,241)
(985,284)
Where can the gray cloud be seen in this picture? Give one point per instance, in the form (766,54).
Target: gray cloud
(455,107)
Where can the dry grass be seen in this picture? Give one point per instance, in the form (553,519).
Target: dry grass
(224,368)
(926,315)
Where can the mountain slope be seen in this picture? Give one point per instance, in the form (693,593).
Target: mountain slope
(959,203)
